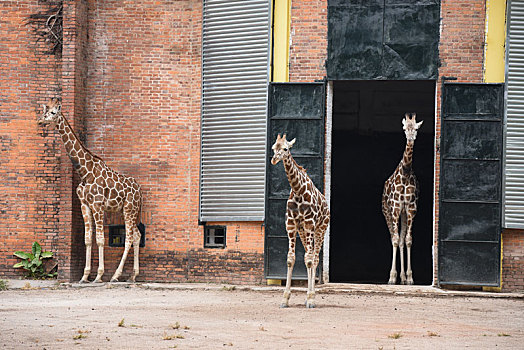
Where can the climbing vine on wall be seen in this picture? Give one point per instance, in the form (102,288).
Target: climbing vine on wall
(48,26)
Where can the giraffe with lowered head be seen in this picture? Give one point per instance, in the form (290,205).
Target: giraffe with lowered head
(307,214)
(101,189)
(399,203)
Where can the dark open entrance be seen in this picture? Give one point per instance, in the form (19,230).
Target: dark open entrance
(367,145)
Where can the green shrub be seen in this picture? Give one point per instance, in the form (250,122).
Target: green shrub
(32,262)
(3,284)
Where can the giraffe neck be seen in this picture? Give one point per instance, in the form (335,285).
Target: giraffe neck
(294,174)
(76,151)
(407,158)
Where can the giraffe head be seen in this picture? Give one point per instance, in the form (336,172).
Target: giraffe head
(51,111)
(411,126)
(281,148)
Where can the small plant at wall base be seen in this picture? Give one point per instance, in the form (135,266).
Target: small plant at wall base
(32,262)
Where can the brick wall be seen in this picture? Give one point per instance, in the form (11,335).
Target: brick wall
(129,78)
(143,118)
(461,52)
(513,260)
(29,163)
(308,41)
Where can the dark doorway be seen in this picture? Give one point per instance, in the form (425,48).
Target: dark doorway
(367,145)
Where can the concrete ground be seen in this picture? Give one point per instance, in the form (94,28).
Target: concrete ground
(47,315)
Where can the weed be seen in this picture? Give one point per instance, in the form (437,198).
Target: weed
(433,334)
(395,335)
(175,326)
(135,326)
(32,262)
(3,284)
(171,337)
(229,288)
(504,335)
(81,334)
(121,323)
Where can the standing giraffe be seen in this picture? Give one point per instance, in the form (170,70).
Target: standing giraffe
(101,189)
(307,213)
(399,203)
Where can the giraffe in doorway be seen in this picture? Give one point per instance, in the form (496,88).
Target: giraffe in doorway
(307,213)
(399,203)
(101,189)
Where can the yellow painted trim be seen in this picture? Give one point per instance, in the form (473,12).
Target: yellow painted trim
(281,29)
(497,289)
(494,65)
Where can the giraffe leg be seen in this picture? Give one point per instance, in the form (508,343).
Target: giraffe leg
(394,242)
(88,239)
(409,240)
(403,227)
(309,261)
(98,216)
(292,237)
(136,250)
(319,240)
(127,246)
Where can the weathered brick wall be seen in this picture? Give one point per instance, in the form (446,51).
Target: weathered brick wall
(130,77)
(461,52)
(308,41)
(29,164)
(143,118)
(513,260)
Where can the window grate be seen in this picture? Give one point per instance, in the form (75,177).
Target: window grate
(214,236)
(117,235)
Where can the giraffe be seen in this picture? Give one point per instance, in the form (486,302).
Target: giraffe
(101,189)
(399,203)
(307,213)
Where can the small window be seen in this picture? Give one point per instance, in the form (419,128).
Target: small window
(214,236)
(117,235)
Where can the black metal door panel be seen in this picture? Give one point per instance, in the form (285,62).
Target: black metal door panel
(383,39)
(295,109)
(471,184)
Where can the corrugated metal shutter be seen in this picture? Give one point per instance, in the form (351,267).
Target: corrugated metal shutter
(235,72)
(514,157)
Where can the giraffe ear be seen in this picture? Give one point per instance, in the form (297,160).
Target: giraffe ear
(44,107)
(59,107)
(419,124)
(291,143)
(404,121)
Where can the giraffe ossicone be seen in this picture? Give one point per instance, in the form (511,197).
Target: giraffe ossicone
(307,214)
(399,203)
(101,189)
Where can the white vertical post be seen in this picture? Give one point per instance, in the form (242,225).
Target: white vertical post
(327,175)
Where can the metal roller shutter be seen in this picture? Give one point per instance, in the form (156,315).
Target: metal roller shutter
(235,73)
(514,157)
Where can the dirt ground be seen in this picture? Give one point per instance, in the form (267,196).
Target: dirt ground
(135,317)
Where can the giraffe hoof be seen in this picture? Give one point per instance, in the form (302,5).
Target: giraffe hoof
(310,305)
(392,282)
(131,280)
(114,279)
(284,306)
(409,282)
(83,280)
(97,280)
